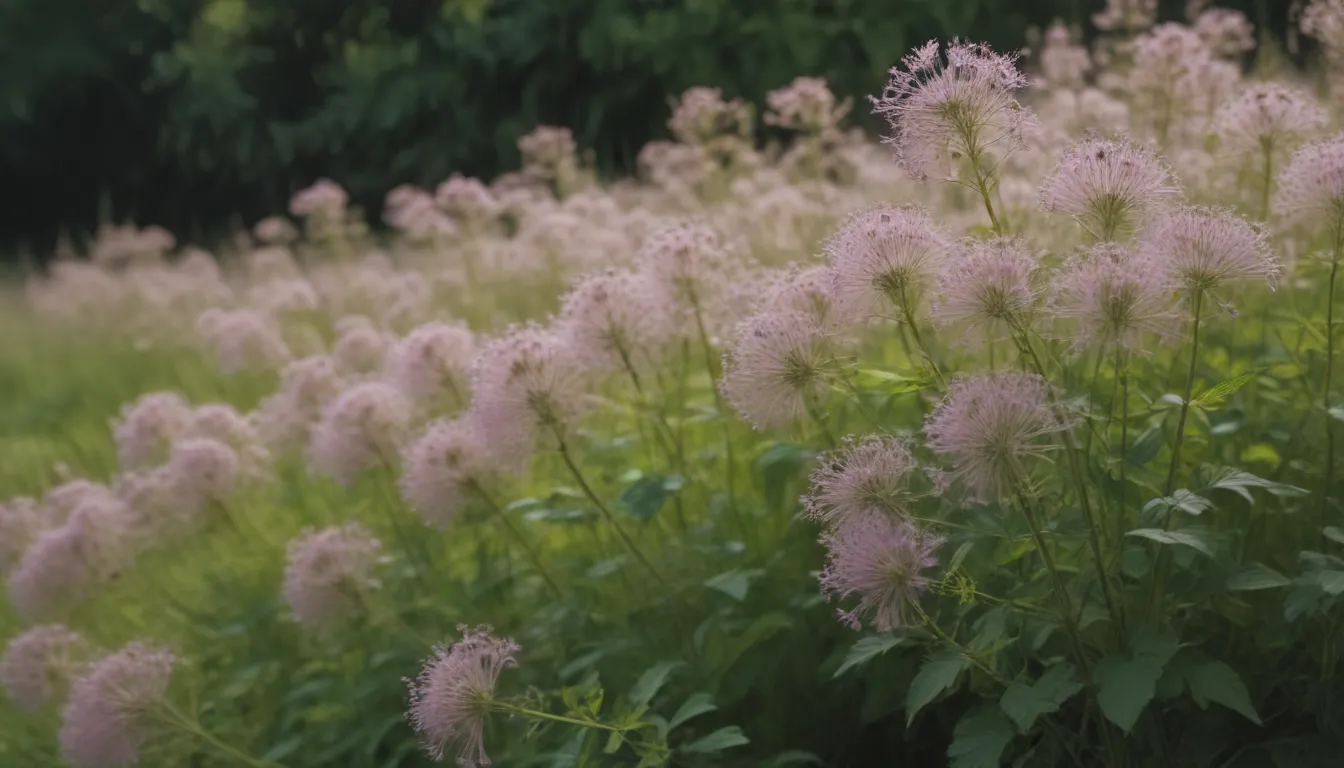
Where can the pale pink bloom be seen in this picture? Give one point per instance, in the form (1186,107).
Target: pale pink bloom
(1324,20)
(432,363)
(153,497)
(526,383)
(1107,185)
(990,426)
(1311,187)
(442,469)
(1064,64)
(361,428)
(40,663)
(864,475)
(327,573)
(988,287)
(881,560)
(198,264)
(1173,76)
(1113,295)
(808,290)
(807,105)
(202,470)
(774,371)
(60,501)
(275,230)
(883,258)
(701,116)
(1203,248)
(360,346)
(223,422)
(325,198)
(467,199)
(63,563)
(1228,33)
(306,386)
(1126,15)
(673,165)
(1268,117)
(687,266)
(550,156)
(962,105)
(614,320)
(273,262)
(20,521)
(108,717)
(243,340)
(147,427)
(452,695)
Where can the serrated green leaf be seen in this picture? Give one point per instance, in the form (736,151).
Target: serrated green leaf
(1212,680)
(1188,537)
(651,681)
(865,650)
(1240,481)
(1024,703)
(1256,576)
(1180,499)
(1125,686)
(697,704)
(936,675)
(724,738)
(979,739)
(1329,580)
(1214,396)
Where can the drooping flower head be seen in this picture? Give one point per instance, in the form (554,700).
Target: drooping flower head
(1107,185)
(774,372)
(614,320)
(327,572)
(359,429)
(1268,117)
(880,559)
(432,363)
(443,468)
(39,663)
(987,287)
(147,427)
(107,719)
(1204,248)
(989,426)
(944,108)
(866,475)
(527,384)
(882,258)
(1114,295)
(452,696)
(1311,187)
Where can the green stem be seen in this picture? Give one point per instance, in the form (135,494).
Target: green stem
(1196,303)
(908,312)
(517,535)
(730,459)
(1122,373)
(605,511)
(982,184)
(1329,370)
(1061,592)
(1267,146)
(192,726)
(514,709)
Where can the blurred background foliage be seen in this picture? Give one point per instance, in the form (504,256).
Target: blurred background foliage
(198,114)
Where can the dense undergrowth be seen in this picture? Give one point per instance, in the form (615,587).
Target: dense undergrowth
(1048,418)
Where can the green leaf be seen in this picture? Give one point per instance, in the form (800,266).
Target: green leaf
(1125,686)
(1256,576)
(1214,396)
(778,465)
(979,739)
(1329,580)
(651,681)
(865,650)
(1212,680)
(1146,447)
(1239,481)
(646,496)
(1188,537)
(614,742)
(1024,703)
(734,583)
(1181,499)
(283,749)
(730,736)
(697,704)
(937,674)
(1337,412)
(1334,534)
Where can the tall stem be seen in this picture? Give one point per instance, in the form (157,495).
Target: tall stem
(1329,369)
(982,184)
(1267,147)
(517,535)
(513,709)
(605,511)
(1061,592)
(1122,373)
(1195,304)
(908,312)
(192,726)
(729,456)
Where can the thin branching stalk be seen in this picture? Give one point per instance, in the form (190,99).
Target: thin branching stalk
(517,535)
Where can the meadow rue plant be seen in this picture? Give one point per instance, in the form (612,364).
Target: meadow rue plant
(774,456)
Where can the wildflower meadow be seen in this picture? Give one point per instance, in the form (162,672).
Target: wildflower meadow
(1010,437)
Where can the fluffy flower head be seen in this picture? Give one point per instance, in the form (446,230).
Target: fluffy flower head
(1204,248)
(1311,187)
(614,320)
(987,286)
(432,363)
(106,720)
(39,663)
(147,427)
(360,428)
(442,468)
(773,372)
(1107,184)
(1268,116)
(1114,295)
(883,257)
(863,476)
(452,695)
(327,572)
(881,560)
(989,425)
